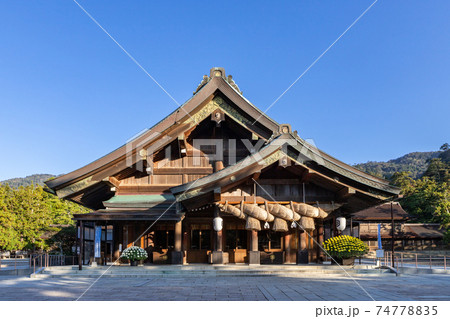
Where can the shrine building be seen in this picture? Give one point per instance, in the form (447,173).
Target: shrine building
(216,181)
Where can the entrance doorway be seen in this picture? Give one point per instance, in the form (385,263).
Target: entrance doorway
(270,244)
(159,243)
(236,238)
(200,242)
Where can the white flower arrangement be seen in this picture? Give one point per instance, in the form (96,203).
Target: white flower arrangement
(134,253)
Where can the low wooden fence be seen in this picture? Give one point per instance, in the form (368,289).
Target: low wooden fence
(36,262)
(40,261)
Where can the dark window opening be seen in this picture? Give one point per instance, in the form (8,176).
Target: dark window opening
(236,239)
(268,240)
(164,239)
(200,239)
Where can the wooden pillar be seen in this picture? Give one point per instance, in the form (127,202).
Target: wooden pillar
(81,245)
(303,240)
(218,165)
(351,227)
(176,256)
(302,248)
(178,235)
(334,230)
(319,240)
(219,240)
(287,247)
(185,245)
(254,256)
(118,239)
(218,256)
(254,240)
(135,234)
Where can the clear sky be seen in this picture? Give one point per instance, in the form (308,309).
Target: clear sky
(69,95)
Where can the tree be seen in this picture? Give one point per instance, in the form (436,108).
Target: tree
(445,147)
(404,181)
(28,215)
(64,239)
(9,235)
(428,201)
(438,171)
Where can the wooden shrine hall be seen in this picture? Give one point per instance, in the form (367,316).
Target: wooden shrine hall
(216,181)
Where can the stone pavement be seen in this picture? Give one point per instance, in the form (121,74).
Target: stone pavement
(425,287)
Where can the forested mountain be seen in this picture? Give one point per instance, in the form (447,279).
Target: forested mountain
(35,179)
(416,163)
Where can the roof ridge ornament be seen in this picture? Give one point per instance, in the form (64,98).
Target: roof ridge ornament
(202,83)
(233,84)
(285,129)
(214,73)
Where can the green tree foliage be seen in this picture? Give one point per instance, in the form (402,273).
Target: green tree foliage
(64,239)
(428,198)
(438,171)
(28,214)
(404,181)
(428,201)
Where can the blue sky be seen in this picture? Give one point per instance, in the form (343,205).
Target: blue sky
(69,95)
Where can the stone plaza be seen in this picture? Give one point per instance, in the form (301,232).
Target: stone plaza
(230,288)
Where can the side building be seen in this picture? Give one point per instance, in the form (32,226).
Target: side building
(216,181)
(407,236)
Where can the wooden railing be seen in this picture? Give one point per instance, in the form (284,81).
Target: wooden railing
(40,261)
(17,262)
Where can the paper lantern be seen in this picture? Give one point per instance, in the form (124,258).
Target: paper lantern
(340,223)
(218,223)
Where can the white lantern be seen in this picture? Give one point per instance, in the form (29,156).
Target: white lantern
(218,223)
(340,223)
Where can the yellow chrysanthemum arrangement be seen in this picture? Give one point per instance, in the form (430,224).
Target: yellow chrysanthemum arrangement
(345,246)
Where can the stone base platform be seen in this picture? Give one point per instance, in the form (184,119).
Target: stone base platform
(200,270)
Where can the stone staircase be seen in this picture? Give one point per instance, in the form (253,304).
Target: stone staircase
(213,271)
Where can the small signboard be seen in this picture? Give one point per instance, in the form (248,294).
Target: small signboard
(380,253)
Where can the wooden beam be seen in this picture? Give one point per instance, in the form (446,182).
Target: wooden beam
(256,175)
(306,175)
(238,199)
(217,194)
(182,170)
(233,200)
(182,144)
(346,192)
(149,164)
(147,188)
(75,187)
(112,181)
(284,161)
(279,181)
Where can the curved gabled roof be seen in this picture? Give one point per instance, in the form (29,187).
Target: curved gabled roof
(215,84)
(165,131)
(306,156)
